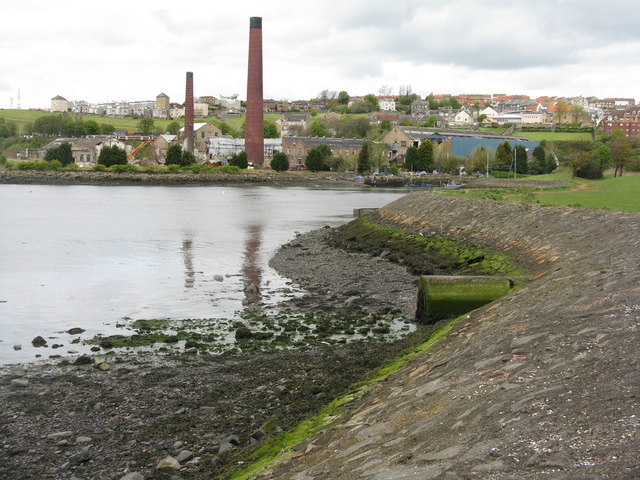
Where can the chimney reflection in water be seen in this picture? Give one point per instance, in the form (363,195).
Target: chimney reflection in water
(187,256)
(251,272)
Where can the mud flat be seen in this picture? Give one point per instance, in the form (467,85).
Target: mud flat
(124,411)
(540,384)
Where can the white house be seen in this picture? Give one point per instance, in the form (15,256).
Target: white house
(462,117)
(387,104)
(490,113)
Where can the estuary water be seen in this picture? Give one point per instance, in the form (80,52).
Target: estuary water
(95,256)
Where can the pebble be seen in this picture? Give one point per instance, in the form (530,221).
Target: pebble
(168,464)
(218,278)
(20,382)
(184,456)
(60,435)
(84,439)
(133,476)
(17,347)
(80,457)
(177,445)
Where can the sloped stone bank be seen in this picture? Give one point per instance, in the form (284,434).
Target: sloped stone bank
(540,384)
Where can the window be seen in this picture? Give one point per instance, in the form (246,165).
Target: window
(403,143)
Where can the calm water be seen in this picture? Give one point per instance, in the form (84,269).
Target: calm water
(85,256)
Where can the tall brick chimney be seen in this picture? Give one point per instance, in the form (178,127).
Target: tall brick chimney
(254,125)
(188,114)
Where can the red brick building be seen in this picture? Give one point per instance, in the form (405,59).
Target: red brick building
(626,120)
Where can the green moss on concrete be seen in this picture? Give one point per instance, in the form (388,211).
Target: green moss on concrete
(279,449)
(442,296)
(422,255)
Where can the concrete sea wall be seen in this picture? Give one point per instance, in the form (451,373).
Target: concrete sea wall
(541,383)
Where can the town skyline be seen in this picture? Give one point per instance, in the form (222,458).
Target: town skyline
(135,51)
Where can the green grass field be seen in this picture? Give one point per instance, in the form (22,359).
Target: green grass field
(238,122)
(554,136)
(24,117)
(621,193)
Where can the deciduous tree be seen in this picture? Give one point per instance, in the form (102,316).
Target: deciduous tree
(146,126)
(621,151)
(173,128)
(601,154)
(343,98)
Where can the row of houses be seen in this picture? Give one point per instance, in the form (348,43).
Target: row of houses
(211,147)
(161,107)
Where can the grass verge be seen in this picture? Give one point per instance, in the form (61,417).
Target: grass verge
(279,449)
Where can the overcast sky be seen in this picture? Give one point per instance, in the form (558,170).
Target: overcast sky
(136,49)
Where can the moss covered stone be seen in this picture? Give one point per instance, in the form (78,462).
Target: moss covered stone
(441,296)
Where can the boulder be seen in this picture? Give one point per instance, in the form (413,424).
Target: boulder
(38,342)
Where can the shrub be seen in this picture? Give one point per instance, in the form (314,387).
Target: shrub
(123,168)
(62,153)
(188,158)
(393,170)
(25,165)
(99,168)
(228,169)
(239,160)
(173,168)
(155,169)
(280,162)
(113,155)
(500,174)
(191,168)
(42,165)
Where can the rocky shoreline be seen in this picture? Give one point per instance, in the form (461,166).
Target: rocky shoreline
(266,177)
(70,419)
(88,177)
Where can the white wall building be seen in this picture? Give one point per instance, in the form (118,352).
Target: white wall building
(221,149)
(59,104)
(387,104)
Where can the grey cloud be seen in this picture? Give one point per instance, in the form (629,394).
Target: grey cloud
(489,34)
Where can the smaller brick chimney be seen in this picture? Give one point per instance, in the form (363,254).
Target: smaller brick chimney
(188,114)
